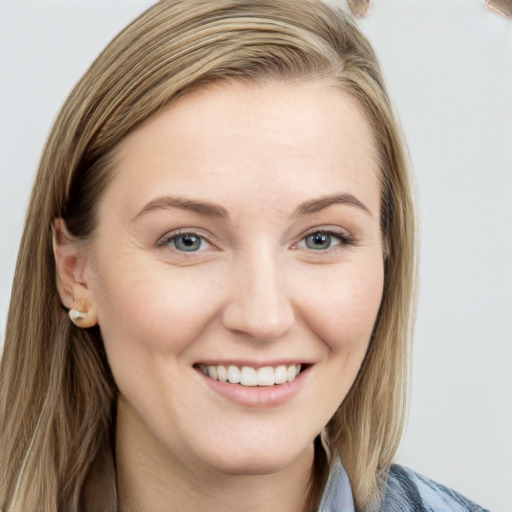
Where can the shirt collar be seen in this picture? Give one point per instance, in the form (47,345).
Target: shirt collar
(337,496)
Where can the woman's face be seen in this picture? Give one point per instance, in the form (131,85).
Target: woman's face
(240,236)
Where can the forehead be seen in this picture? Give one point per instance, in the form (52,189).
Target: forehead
(285,140)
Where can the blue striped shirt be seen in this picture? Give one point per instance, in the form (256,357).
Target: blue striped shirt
(407,491)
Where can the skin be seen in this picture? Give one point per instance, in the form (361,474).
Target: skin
(255,291)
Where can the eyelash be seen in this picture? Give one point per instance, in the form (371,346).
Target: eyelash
(342,236)
(169,240)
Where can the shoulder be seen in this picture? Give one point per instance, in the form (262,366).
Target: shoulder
(409,491)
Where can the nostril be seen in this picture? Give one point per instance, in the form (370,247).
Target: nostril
(260,320)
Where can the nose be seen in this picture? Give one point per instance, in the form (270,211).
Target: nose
(259,305)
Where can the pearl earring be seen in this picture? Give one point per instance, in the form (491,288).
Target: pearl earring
(77,316)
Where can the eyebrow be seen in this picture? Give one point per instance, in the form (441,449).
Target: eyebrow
(204,208)
(209,209)
(316,205)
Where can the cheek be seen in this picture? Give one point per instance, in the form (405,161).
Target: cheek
(343,307)
(150,307)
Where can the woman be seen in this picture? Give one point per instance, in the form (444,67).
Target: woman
(215,287)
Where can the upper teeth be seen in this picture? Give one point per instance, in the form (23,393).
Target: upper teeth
(249,376)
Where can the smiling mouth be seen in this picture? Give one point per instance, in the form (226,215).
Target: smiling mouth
(252,377)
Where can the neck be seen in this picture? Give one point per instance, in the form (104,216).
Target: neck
(150,479)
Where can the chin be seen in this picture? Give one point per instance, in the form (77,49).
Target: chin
(260,460)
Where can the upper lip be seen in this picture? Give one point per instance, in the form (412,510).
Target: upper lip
(253,364)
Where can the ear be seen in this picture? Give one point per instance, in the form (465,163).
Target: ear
(70,260)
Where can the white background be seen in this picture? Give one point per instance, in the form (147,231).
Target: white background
(448,64)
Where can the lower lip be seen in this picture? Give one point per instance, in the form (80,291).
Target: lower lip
(258,396)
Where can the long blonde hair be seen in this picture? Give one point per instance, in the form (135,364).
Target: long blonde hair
(58,396)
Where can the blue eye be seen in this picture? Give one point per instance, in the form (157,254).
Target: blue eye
(187,242)
(325,240)
(319,241)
